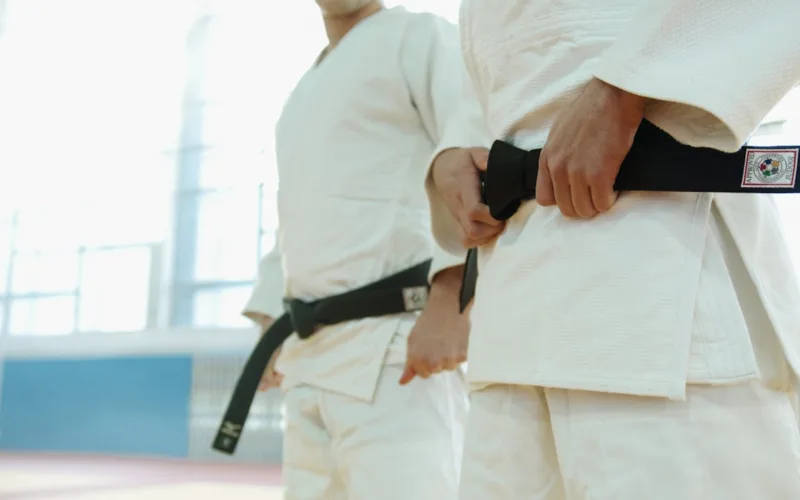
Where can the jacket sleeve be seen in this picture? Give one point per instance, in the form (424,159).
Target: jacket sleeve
(433,64)
(267,295)
(713,68)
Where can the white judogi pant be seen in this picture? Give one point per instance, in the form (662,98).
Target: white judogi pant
(404,445)
(736,442)
(724,442)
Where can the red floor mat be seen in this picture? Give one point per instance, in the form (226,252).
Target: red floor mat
(66,477)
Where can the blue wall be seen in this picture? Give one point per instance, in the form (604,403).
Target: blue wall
(125,405)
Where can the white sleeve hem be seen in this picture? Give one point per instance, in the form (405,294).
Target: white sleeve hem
(691,116)
(443,259)
(444,226)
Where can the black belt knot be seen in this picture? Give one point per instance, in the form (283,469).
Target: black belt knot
(302,316)
(505,182)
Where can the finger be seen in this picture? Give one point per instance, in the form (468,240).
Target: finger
(470,192)
(480,157)
(422,369)
(451,364)
(545,195)
(488,238)
(581,196)
(408,375)
(435,367)
(480,213)
(469,201)
(603,197)
(469,243)
(474,232)
(480,230)
(563,193)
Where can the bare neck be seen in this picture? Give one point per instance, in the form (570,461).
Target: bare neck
(336,27)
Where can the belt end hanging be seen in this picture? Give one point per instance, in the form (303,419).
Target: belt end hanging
(227,437)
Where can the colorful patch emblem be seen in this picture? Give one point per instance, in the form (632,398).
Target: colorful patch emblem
(770,168)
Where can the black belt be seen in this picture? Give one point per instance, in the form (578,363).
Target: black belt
(656,162)
(405,291)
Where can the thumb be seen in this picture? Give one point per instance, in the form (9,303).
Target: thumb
(408,375)
(480,157)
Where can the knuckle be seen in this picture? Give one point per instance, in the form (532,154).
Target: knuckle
(466,241)
(431,361)
(556,164)
(560,173)
(597,177)
(473,232)
(574,169)
(474,212)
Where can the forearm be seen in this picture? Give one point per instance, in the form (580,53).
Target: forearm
(266,299)
(446,284)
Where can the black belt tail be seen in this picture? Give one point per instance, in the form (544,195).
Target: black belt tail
(230,430)
(404,291)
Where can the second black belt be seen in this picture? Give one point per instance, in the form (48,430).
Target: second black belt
(404,291)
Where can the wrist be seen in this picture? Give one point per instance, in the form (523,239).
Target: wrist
(634,104)
(447,280)
(441,158)
(444,154)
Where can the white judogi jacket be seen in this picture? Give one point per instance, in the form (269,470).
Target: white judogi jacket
(637,300)
(353,143)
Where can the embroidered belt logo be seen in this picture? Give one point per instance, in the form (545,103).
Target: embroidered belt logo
(231,429)
(414,298)
(770,168)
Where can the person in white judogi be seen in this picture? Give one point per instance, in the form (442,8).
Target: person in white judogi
(639,347)
(353,145)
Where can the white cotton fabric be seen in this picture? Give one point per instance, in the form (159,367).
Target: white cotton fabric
(353,143)
(638,300)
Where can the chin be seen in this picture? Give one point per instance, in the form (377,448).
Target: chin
(341,7)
